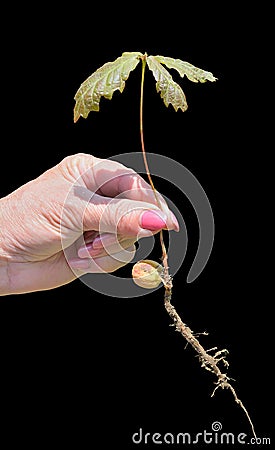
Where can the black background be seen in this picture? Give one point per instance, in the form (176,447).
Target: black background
(87,369)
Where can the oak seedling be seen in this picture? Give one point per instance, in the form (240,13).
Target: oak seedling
(103,83)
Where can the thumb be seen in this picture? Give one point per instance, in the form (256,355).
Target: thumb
(126,217)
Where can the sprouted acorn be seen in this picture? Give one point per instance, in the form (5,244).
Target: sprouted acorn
(147,273)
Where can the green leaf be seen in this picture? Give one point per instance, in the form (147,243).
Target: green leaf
(184,68)
(170,91)
(103,82)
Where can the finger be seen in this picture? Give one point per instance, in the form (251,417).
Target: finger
(100,241)
(103,264)
(105,239)
(125,217)
(90,251)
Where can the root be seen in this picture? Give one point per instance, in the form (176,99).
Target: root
(208,362)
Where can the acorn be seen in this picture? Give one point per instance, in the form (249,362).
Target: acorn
(147,273)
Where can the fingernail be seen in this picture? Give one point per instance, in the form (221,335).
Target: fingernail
(153,220)
(175,221)
(88,251)
(104,240)
(80,263)
(83,251)
(97,242)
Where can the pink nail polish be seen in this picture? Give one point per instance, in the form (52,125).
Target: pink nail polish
(83,252)
(153,220)
(97,242)
(88,251)
(175,222)
(95,251)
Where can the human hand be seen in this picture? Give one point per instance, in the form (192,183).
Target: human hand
(83,215)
